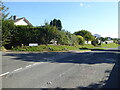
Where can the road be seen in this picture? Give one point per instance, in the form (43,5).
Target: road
(57,69)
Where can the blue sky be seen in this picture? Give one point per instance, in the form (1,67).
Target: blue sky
(96,17)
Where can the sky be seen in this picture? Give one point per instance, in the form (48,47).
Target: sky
(97,17)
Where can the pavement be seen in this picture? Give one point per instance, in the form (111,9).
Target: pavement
(59,69)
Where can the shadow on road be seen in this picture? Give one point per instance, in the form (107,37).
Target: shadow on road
(106,56)
(85,57)
(113,80)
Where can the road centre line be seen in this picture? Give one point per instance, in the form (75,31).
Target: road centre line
(1,75)
(37,63)
(4,74)
(18,69)
(28,66)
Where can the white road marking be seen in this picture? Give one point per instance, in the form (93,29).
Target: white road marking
(28,66)
(35,63)
(38,63)
(4,74)
(17,69)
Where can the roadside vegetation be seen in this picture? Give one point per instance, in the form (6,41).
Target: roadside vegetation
(53,48)
(49,48)
(110,45)
(19,37)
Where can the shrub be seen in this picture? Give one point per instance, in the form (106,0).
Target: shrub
(94,42)
(80,40)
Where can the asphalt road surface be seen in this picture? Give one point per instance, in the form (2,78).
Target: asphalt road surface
(58,69)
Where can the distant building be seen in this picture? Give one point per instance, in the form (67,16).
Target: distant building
(96,35)
(109,38)
(53,42)
(111,41)
(21,21)
(87,42)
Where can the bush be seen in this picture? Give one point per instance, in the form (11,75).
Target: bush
(94,42)
(7,28)
(81,40)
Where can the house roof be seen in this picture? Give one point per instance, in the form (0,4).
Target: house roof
(18,19)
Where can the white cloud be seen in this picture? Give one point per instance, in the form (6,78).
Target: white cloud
(81,4)
(85,5)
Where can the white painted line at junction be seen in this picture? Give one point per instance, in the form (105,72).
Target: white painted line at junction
(28,66)
(35,63)
(1,75)
(4,74)
(38,63)
(17,69)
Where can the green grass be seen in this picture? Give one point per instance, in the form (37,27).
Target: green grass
(52,48)
(110,45)
(87,46)
(2,48)
(46,48)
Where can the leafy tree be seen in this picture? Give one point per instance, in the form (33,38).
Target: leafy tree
(59,25)
(95,42)
(85,34)
(61,37)
(66,38)
(80,40)
(4,11)
(74,39)
(7,24)
(7,27)
(56,23)
(49,33)
(103,39)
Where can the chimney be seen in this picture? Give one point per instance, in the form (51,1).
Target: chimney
(14,18)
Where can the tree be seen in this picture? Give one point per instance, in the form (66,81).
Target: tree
(80,40)
(103,39)
(95,42)
(7,25)
(49,33)
(85,34)
(56,23)
(3,11)
(59,25)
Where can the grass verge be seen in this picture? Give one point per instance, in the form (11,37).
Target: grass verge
(53,48)
(109,45)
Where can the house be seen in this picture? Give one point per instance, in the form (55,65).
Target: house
(21,21)
(53,42)
(87,42)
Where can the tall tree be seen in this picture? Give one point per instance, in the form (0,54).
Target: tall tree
(59,25)
(80,40)
(85,34)
(3,11)
(7,24)
(56,23)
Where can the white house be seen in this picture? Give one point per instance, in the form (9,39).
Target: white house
(89,42)
(21,21)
